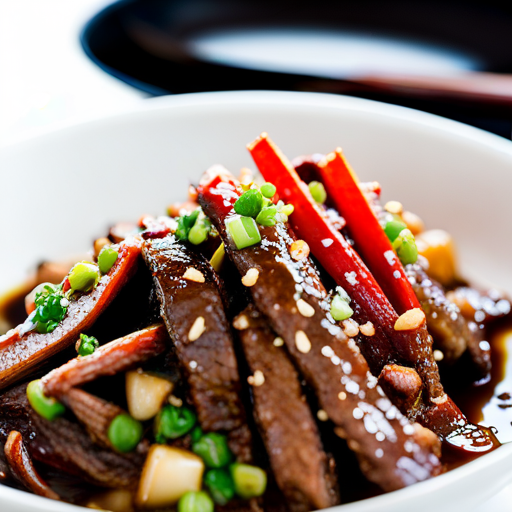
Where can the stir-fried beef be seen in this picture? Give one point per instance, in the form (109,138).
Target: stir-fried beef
(192,308)
(332,364)
(289,431)
(23,468)
(21,352)
(64,445)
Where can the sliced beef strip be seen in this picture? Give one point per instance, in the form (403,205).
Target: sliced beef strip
(288,429)
(389,448)
(194,315)
(453,333)
(64,445)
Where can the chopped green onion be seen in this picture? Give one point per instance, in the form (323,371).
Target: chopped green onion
(213,449)
(185,223)
(393,229)
(405,247)
(243,231)
(173,422)
(287,209)
(125,433)
(220,484)
(45,406)
(106,258)
(250,203)
(199,231)
(51,308)
(195,501)
(318,192)
(250,481)
(87,346)
(340,310)
(268,190)
(83,277)
(267,216)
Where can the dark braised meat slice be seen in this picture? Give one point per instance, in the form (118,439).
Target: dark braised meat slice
(285,422)
(453,333)
(64,445)
(21,353)
(392,451)
(22,467)
(192,308)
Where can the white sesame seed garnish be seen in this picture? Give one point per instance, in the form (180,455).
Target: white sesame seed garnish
(390,257)
(438,355)
(379,452)
(251,277)
(193,365)
(302,342)
(342,395)
(198,327)
(351,277)
(411,319)
(258,379)
(350,327)
(326,242)
(241,322)
(192,274)
(396,274)
(305,309)
(322,415)
(367,329)
(278,342)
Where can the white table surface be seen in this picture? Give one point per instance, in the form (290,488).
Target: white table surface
(46,79)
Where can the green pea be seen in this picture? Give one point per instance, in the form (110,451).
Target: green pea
(405,247)
(195,501)
(199,231)
(88,344)
(173,422)
(340,310)
(125,433)
(267,216)
(249,204)
(220,484)
(268,190)
(393,229)
(45,406)
(196,434)
(250,481)
(106,258)
(318,192)
(84,276)
(213,449)
(185,223)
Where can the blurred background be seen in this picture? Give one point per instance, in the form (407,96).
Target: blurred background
(63,59)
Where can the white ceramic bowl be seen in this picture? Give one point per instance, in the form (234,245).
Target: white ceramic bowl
(61,189)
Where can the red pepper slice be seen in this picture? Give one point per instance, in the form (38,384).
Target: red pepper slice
(371,240)
(19,354)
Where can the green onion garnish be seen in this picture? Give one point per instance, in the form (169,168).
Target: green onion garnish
(106,258)
(185,223)
(267,216)
(199,231)
(268,190)
(88,345)
(45,406)
(244,231)
(84,276)
(249,204)
(405,247)
(318,192)
(340,309)
(393,229)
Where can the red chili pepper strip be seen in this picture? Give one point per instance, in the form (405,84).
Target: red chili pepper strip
(371,240)
(19,354)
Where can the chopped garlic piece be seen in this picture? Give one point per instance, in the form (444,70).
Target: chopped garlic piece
(302,342)
(241,322)
(251,277)
(258,379)
(305,309)
(278,342)
(197,329)
(192,274)
(350,327)
(411,319)
(367,329)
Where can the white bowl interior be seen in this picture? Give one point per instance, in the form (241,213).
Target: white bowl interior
(64,188)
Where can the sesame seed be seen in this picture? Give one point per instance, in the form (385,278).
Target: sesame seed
(411,319)
(192,274)
(278,342)
(241,322)
(322,415)
(367,329)
(327,242)
(193,365)
(305,309)
(302,342)
(350,327)
(251,277)
(438,355)
(198,327)
(342,395)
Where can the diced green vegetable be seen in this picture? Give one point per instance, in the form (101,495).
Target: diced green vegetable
(287,209)
(405,247)
(45,406)
(220,484)
(244,231)
(267,216)
(393,229)
(51,308)
(318,192)
(250,481)
(196,434)
(185,223)
(213,449)
(87,346)
(199,231)
(340,309)
(84,276)
(195,501)
(250,203)
(106,258)
(268,190)
(125,433)
(173,422)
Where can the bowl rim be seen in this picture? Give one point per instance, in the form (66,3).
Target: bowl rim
(307,102)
